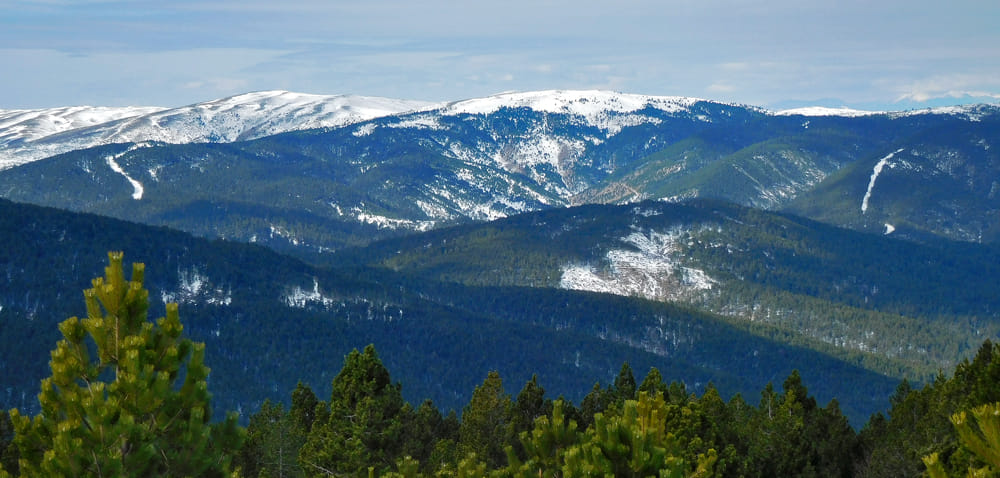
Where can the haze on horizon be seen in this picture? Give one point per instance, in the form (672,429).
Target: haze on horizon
(888,55)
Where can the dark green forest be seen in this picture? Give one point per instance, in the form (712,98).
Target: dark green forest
(625,428)
(849,294)
(439,338)
(127,397)
(609,385)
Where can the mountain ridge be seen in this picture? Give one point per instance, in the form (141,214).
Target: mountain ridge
(483,159)
(269,321)
(28,135)
(838,290)
(31,134)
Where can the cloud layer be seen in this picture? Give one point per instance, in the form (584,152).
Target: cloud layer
(749,51)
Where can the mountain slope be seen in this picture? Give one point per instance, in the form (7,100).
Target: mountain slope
(850,294)
(313,191)
(269,321)
(309,192)
(28,135)
(942,181)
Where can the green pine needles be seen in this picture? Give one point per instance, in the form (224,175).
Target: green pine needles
(113,406)
(980,433)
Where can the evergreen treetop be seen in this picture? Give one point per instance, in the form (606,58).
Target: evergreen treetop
(112,407)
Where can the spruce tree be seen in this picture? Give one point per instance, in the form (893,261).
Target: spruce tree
(112,406)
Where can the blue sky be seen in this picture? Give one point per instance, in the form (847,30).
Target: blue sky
(779,53)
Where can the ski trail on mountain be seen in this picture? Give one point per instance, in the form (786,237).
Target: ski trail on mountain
(113,163)
(875,172)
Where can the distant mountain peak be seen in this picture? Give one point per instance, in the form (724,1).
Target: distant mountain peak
(971,112)
(585,103)
(29,135)
(826,111)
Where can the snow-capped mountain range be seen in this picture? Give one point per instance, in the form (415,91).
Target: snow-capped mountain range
(384,166)
(32,134)
(28,135)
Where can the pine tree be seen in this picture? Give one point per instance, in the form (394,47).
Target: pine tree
(423,431)
(545,445)
(625,387)
(364,424)
(653,382)
(485,422)
(597,401)
(529,405)
(980,433)
(303,409)
(273,443)
(119,412)
(634,443)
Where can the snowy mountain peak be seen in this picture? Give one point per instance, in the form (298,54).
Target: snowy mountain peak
(586,103)
(28,135)
(313,111)
(29,125)
(974,112)
(825,111)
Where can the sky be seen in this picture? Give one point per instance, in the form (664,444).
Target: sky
(864,54)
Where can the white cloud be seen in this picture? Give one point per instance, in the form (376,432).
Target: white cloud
(218,84)
(749,51)
(720,88)
(169,78)
(951,86)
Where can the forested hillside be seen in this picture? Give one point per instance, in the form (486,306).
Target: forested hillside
(269,321)
(850,294)
(940,182)
(367,428)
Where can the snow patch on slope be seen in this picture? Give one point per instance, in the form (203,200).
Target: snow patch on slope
(383,222)
(299,298)
(871,182)
(364,130)
(193,287)
(651,268)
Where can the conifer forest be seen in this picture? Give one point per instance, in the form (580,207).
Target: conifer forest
(129,396)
